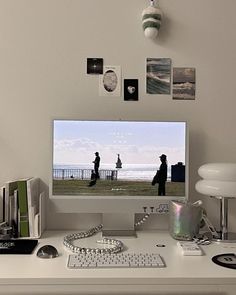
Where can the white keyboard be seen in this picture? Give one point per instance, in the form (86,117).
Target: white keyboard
(98,260)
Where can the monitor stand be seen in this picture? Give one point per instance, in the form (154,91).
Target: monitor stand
(118,224)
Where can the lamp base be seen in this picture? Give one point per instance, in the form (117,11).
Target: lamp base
(225,238)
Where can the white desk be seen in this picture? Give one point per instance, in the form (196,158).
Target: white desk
(27,274)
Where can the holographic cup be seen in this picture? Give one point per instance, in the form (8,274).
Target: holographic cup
(184,220)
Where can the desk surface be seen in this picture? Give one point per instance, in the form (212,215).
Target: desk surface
(185,270)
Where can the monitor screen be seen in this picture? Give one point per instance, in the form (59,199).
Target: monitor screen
(119,158)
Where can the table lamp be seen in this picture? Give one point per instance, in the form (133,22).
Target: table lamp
(219,181)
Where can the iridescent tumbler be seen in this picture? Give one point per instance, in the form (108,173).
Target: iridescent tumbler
(184,220)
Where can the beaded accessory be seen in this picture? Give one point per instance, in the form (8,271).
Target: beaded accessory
(117,245)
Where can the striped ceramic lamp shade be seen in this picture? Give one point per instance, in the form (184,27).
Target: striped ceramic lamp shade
(151,20)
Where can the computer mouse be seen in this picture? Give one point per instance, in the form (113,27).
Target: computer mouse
(47,251)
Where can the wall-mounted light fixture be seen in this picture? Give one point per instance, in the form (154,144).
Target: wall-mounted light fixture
(151,20)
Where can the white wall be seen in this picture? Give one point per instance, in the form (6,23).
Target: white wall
(43,49)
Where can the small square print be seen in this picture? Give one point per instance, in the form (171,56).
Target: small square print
(130,89)
(94,66)
(184,83)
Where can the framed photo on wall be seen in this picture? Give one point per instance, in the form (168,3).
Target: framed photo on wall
(158,75)
(94,66)
(130,89)
(110,81)
(184,83)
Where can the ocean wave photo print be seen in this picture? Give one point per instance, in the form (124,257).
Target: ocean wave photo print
(158,75)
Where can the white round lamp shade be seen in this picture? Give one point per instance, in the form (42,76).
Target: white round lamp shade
(218,171)
(219,180)
(217,188)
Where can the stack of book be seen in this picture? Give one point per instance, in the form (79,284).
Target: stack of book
(23,207)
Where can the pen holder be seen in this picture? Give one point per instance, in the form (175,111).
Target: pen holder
(184,220)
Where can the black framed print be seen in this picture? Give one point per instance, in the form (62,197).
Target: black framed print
(94,66)
(130,89)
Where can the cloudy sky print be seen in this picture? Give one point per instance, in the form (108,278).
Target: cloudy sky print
(184,83)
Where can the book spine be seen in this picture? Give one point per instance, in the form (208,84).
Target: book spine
(15,213)
(2,198)
(23,208)
(9,191)
(33,203)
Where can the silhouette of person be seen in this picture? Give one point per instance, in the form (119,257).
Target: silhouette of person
(162,176)
(96,165)
(118,162)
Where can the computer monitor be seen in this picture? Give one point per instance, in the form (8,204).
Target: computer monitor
(118,168)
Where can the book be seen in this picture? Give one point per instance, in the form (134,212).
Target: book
(40,217)
(10,187)
(13,213)
(23,207)
(33,195)
(2,203)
